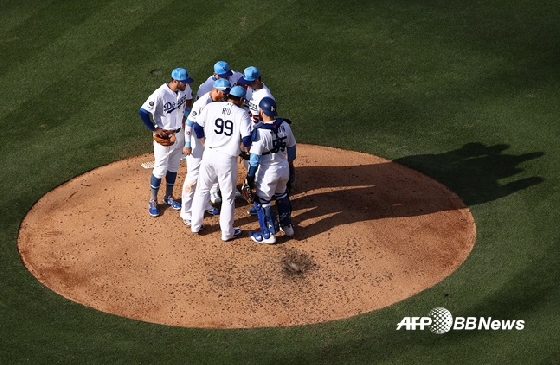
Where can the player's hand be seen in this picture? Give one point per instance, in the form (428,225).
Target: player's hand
(160,132)
(187,150)
(250,180)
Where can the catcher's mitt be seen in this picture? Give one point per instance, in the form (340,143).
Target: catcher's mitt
(246,192)
(169,139)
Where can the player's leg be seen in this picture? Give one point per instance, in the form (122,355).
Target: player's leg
(215,194)
(189,186)
(174,161)
(283,204)
(227,177)
(161,154)
(206,176)
(265,188)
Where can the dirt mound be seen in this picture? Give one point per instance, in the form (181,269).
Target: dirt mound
(369,233)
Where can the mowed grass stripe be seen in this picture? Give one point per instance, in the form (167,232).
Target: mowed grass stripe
(71,49)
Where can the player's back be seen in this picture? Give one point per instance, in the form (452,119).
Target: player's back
(207,85)
(199,105)
(272,146)
(224,125)
(254,100)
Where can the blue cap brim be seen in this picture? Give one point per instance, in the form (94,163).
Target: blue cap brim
(243,81)
(189,80)
(227,74)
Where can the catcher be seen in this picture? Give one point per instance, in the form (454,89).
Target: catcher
(273,145)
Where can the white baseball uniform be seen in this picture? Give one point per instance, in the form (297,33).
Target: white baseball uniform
(273,171)
(167,108)
(193,160)
(255,98)
(207,85)
(225,125)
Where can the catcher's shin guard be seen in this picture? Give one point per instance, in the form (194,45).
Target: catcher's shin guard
(284,207)
(268,227)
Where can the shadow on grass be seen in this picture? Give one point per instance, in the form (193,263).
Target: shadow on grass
(339,195)
(474,171)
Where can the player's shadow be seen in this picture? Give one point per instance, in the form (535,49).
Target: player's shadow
(474,171)
(329,196)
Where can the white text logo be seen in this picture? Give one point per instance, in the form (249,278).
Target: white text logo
(440,321)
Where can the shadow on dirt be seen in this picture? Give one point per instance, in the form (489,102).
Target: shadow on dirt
(464,177)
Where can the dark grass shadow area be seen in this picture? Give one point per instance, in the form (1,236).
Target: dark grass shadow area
(453,180)
(474,171)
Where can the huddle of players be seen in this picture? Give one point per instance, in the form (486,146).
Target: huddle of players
(231,110)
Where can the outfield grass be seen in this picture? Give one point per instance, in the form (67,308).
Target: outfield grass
(466,92)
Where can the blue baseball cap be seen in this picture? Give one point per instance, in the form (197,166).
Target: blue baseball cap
(181,75)
(222,84)
(268,106)
(250,74)
(222,69)
(238,91)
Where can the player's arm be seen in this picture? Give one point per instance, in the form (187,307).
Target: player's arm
(187,150)
(254,157)
(292,154)
(150,107)
(254,161)
(146,119)
(188,104)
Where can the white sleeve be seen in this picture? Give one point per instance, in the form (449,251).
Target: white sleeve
(152,102)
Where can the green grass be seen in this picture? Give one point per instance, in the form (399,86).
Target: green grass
(466,92)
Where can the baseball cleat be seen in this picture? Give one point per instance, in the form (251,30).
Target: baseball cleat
(200,229)
(172,202)
(288,230)
(187,222)
(259,238)
(236,233)
(153,208)
(215,197)
(213,211)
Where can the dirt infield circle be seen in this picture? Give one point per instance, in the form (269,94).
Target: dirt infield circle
(369,233)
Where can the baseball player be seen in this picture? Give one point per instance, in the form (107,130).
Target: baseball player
(194,148)
(222,70)
(223,125)
(256,90)
(167,105)
(273,145)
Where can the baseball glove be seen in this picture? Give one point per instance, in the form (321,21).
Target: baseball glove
(169,139)
(247,192)
(245,155)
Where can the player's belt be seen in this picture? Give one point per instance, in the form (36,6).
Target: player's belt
(177,130)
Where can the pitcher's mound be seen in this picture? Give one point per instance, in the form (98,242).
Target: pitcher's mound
(369,233)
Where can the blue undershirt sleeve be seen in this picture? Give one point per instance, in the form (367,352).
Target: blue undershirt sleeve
(291,153)
(145,116)
(187,111)
(198,130)
(254,161)
(247,141)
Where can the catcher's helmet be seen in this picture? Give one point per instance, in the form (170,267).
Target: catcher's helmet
(268,106)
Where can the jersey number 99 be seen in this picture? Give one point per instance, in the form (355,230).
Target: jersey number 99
(223,127)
